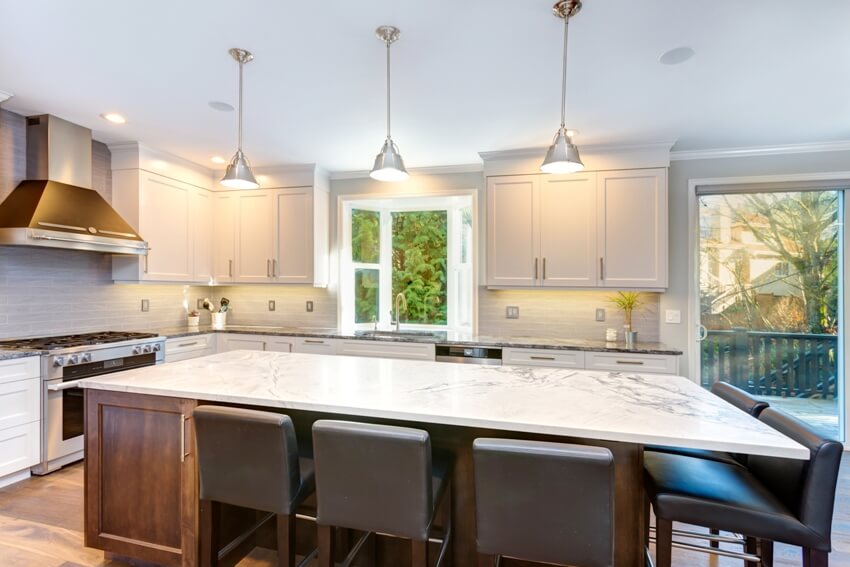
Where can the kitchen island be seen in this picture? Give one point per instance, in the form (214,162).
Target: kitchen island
(141,494)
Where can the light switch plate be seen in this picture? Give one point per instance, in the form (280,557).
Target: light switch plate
(600,314)
(309,307)
(199,304)
(672,316)
(146,305)
(271,305)
(512,312)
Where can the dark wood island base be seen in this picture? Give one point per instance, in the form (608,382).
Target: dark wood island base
(141,494)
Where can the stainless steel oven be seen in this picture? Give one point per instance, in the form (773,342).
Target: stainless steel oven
(70,359)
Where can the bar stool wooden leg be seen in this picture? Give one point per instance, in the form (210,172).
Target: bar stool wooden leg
(209,522)
(285,540)
(714,543)
(766,553)
(419,553)
(485,560)
(663,543)
(751,546)
(327,546)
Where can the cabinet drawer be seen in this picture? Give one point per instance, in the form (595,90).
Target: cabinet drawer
(19,402)
(652,363)
(543,357)
(20,369)
(19,448)
(311,345)
(183,348)
(377,349)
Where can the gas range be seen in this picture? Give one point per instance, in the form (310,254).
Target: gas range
(68,360)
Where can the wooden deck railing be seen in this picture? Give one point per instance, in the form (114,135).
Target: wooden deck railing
(772,364)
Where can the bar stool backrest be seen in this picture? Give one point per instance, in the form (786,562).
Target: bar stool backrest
(739,398)
(247,458)
(375,478)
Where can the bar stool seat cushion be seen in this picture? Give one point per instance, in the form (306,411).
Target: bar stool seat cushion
(719,456)
(722,496)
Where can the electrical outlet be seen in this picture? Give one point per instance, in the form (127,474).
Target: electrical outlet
(672,316)
(146,305)
(271,305)
(511,312)
(600,314)
(199,305)
(309,307)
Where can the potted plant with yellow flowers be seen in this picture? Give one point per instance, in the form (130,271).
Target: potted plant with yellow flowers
(628,302)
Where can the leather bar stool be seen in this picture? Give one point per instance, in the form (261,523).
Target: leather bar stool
(251,459)
(772,499)
(544,502)
(379,479)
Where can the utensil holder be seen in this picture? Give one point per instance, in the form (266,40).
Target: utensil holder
(219,320)
(194,320)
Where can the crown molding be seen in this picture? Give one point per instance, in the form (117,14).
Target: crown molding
(432,170)
(753,151)
(522,153)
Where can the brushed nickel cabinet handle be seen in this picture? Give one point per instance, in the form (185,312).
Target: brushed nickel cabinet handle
(535,268)
(544,267)
(636,362)
(274,268)
(182,437)
(146,261)
(230,268)
(312,342)
(268,268)
(542,357)
(601,268)
(188,344)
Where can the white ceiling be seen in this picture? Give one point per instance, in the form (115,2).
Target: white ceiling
(469,75)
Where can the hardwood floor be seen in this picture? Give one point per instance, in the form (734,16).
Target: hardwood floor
(41,525)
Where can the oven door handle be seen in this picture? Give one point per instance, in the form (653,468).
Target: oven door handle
(65,386)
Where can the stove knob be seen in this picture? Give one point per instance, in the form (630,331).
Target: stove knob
(137,350)
(157,347)
(86,357)
(146,348)
(73,359)
(59,361)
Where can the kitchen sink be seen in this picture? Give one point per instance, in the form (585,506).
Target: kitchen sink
(402,333)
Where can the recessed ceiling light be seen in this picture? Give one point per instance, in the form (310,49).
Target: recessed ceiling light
(218,159)
(221,106)
(676,56)
(114,117)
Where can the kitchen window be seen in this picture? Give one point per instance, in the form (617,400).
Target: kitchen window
(419,247)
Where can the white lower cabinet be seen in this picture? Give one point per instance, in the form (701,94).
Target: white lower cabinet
(378,349)
(280,344)
(543,357)
(20,414)
(185,348)
(312,345)
(270,343)
(623,361)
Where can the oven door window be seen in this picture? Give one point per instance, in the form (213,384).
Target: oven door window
(72,413)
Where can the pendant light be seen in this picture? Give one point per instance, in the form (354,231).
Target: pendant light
(562,156)
(388,163)
(239,174)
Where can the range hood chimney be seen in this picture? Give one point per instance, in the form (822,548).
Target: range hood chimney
(56,206)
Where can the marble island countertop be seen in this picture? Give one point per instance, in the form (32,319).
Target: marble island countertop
(453,338)
(610,406)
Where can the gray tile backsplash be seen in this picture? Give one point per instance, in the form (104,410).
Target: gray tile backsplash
(249,305)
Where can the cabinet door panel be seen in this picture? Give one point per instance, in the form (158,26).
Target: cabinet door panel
(633,228)
(568,230)
(243,343)
(280,345)
(255,239)
(512,239)
(202,228)
(224,239)
(164,210)
(294,236)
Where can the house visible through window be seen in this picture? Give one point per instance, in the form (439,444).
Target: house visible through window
(418,247)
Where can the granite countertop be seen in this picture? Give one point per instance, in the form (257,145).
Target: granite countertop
(459,339)
(609,406)
(8,354)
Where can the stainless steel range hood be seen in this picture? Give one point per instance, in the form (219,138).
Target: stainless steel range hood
(56,207)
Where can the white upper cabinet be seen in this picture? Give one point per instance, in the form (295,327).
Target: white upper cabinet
(584,230)
(224,236)
(632,233)
(255,236)
(513,246)
(163,211)
(294,259)
(167,201)
(568,230)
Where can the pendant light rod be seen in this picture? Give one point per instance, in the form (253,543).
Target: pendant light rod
(241,56)
(388,34)
(565,9)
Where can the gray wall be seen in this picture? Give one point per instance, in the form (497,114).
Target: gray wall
(683,171)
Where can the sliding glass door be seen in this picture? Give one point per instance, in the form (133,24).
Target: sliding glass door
(770,296)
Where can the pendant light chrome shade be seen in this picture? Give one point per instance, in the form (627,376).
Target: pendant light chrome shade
(239,174)
(388,163)
(563,156)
